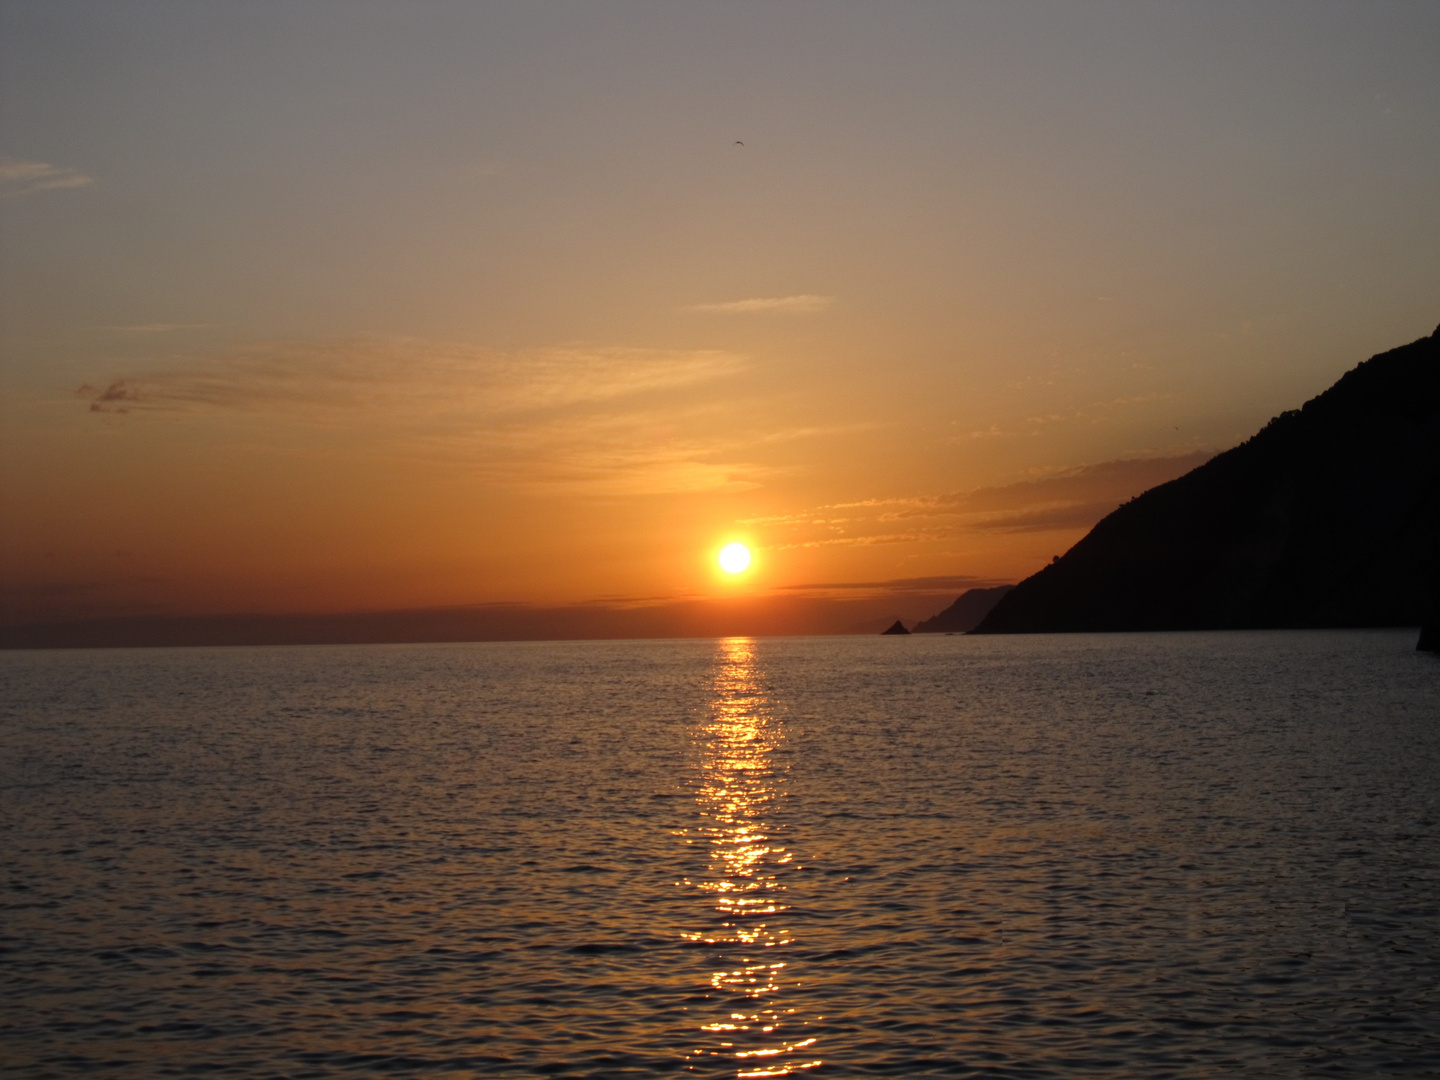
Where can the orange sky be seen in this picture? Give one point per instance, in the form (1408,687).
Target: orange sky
(315,308)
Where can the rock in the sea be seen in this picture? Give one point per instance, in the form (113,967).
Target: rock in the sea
(896,628)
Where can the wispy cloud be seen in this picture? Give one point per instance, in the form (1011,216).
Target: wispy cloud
(1064,499)
(1096,412)
(1070,498)
(804,304)
(994,431)
(570,419)
(404,378)
(145,329)
(639,452)
(28,177)
(679,449)
(870,509)
(944,585)
(22,602)
(865,539)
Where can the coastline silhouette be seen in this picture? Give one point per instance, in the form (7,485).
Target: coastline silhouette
(965,613)
(1327,517)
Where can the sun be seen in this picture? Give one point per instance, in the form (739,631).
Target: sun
(734,558)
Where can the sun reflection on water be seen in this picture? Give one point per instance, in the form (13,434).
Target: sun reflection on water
(739,785)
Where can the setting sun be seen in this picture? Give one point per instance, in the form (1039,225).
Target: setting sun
(734,558)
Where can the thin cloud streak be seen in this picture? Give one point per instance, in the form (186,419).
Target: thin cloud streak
(1067,499)
(868,540)
(19,178)
(145,329)
(941,585)
(769,615)
(804,304)
(405,378)
(1096,412)
(633,452)
(565,420)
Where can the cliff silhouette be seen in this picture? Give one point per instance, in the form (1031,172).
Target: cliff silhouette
(965,613)
(1327,517)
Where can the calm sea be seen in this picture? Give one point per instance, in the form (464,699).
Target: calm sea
(1168,855)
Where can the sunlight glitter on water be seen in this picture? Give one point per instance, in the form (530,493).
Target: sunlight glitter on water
(739,785)
(1039,857)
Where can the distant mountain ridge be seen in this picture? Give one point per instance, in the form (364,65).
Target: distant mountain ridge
(965,613)
(1327,517)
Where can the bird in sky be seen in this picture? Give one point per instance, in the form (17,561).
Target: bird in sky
(739,143)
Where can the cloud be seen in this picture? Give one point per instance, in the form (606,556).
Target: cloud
(38,601)
(1051,518)
(619,454)
(1070,498)
(994,431)
(157,328)
(1067,499)
(863,540)
(946,585)
(674,450)
(572,419)
(870,509)
(28,177)
(405,379)
(116,397)
(763,615)
(1096,412)
(804,304)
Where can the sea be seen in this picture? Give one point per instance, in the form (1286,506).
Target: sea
(1158,855)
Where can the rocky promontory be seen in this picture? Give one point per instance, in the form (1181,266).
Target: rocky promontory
(1328,517)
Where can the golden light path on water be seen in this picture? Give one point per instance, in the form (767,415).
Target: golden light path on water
(739,787)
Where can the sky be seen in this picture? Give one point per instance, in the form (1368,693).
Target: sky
(355,307)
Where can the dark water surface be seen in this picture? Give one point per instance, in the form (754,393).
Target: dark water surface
(1170,855)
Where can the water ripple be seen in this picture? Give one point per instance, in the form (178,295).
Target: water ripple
(1121,856)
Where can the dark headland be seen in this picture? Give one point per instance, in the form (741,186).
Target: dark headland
(897,627)
(1327,517)
(965,613)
